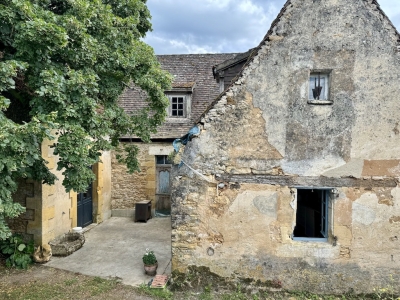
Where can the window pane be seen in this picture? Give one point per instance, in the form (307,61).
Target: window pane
(177,108)
(318,87)
(160,159)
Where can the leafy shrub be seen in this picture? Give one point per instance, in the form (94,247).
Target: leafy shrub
(18,253)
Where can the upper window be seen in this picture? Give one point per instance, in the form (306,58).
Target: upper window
(178,107)
(312,214)
(318,88)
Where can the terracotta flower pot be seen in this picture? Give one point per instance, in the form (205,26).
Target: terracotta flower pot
(151,269)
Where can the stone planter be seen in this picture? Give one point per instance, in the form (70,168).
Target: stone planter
(67,243)
(151,270)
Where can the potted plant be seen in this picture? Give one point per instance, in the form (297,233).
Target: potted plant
(150,263)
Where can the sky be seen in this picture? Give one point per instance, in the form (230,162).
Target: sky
(220,26)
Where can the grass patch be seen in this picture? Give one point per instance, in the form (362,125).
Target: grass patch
(33,292)
(165,293)
(97,285)
(40,282)
(70,282)
(206,294)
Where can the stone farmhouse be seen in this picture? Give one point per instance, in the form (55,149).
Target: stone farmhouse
(294,179)
(193,90)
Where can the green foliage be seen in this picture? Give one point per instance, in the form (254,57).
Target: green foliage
(63,65)
(17,251)
(149,258)
(206,294)
(236,295)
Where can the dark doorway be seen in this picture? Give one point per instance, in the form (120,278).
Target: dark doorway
(85,207)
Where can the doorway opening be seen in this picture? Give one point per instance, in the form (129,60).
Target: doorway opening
(85,207)
(163,186)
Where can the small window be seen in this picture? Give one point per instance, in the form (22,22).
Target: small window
(177,108)
(312,214)
(318,87)
(162,160)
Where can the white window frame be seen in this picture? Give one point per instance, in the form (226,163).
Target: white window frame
(325,216)
(325,93)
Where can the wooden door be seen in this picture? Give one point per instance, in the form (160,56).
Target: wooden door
(85,207)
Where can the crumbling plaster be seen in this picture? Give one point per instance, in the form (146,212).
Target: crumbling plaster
(263,126)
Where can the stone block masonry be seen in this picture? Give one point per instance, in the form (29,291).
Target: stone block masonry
(127,189)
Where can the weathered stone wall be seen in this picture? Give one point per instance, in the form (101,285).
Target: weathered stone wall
(262,139)
(26,188)
(127,189)
(50,210)
(246,232)
(102,189)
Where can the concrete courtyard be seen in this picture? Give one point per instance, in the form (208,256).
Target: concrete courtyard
(115,248)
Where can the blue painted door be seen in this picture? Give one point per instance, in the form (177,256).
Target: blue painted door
(85,208)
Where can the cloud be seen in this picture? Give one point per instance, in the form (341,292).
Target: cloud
(209,25)
(214,26)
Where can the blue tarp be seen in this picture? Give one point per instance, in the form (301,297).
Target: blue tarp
(194,131)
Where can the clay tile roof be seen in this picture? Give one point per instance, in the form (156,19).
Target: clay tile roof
(183,84)
(190,71)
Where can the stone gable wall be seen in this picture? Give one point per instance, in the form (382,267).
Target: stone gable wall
(262,140)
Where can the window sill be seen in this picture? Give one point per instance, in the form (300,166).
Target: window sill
(301,239)
(176,119)
(320,102)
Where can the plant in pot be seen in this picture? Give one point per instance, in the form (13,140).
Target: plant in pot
(150,263)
